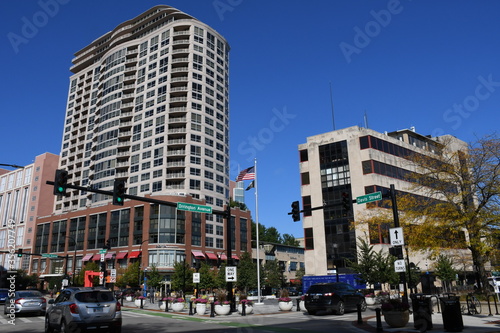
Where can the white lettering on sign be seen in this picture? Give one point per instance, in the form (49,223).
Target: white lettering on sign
(231,274)
(399,266)
(396,236)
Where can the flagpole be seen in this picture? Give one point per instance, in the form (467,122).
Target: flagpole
(257,232)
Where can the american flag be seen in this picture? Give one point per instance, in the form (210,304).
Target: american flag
(247,174)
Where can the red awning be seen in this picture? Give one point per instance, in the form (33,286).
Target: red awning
(198,254)
(211,256)
(87,257)
(223,256)
(234,256)
(109,255)
(96,257)
(134,254)
(121,255)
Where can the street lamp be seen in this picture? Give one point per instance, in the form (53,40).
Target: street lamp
(74,258)
(140,262)
(335,259)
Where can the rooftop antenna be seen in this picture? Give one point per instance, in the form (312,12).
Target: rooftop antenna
(366,120)
(331,102)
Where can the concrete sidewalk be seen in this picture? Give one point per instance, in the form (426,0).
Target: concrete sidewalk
(482,323)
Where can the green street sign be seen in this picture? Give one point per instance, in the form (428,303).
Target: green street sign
(369,198)
(194,208)
(49,255)
(103,251)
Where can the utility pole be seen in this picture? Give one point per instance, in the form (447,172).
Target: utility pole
(402,275)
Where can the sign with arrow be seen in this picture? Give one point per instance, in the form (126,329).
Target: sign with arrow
(396,235)
(231,274)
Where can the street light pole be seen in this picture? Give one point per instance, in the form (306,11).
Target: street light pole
(74,258)
(140,262)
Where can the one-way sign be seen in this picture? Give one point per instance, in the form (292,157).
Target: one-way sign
(231,274)
(396,236)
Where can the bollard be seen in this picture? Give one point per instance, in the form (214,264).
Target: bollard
(191,308)
(212,309)
(166,305)
(122,300)
(142,304)
(379,320)
(243,309)
(298,304)
(360,319)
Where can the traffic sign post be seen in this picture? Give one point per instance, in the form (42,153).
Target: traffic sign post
(194,208)
(196,277)
(400,266)
(396,236)
(369,198)
(231,274)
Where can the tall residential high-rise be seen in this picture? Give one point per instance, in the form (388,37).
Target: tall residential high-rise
(148,103)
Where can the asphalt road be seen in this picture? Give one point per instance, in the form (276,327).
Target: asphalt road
(143,321)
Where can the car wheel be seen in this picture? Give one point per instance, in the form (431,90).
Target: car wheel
(48,328)
(340,308)
(363,305)
(311,312)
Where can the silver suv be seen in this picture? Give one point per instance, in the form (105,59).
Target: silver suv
(84,308)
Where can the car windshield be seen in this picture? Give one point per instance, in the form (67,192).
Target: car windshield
(26,294)
(94,296)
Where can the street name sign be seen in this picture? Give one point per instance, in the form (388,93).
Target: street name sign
(376,196)
(103,251)
(49,255)
(196,277)
(194,208)
(231,274)
(396,236)
(399,266)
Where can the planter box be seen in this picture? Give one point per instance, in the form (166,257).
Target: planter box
(285,306)
(201,308)
(177,307)
(396,319)
(222,309)
(248,309)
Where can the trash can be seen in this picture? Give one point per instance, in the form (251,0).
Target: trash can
(422,311)
(452,313)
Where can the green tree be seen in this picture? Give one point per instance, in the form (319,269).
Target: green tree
(273,276)
(155,279)
(365,264)
(247,273)
(373,267)
(444,270)
(182,278)
(89,266)
(289,240)
(131,275)
(207,277)
(271,235)
(220,279)
(465,184)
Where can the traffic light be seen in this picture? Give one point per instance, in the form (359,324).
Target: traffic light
(60,182)
(118,192)
(108,245)
(295,211)
(19,252)
(346,204)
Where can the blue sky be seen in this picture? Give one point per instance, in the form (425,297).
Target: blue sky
(429,64)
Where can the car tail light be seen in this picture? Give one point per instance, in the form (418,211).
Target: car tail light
(118,306)
(18,301)
(44,300)
(73,308)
